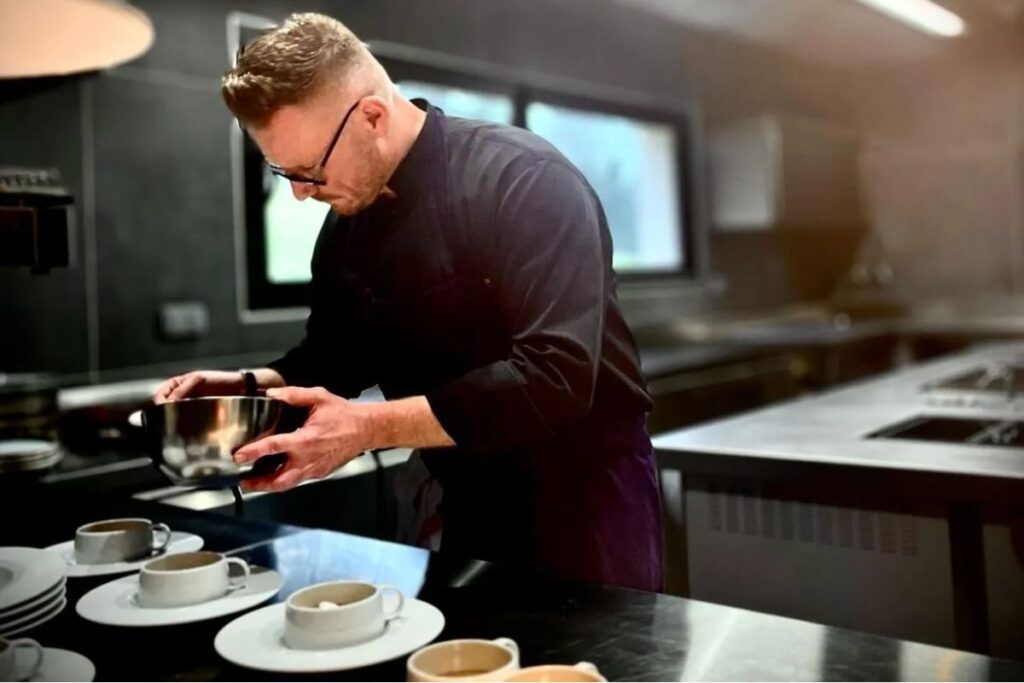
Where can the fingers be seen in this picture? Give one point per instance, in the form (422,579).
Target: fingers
(186,386)
(276,443)
(177,388)
(163,392)
(299,396)
(282,480)
(288,477)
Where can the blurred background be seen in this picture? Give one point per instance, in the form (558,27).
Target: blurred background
(796,162)
(830,160)
(802,193)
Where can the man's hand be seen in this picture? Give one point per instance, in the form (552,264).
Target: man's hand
(335,432)
(213,383)
(199,383)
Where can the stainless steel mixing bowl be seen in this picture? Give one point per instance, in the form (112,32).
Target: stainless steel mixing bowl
(192,440)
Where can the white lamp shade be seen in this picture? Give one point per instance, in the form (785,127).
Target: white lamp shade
(59,37)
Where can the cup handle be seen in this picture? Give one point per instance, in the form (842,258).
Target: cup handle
(241,582)
(388,616)
(509,643)
(166,531)
(29,643)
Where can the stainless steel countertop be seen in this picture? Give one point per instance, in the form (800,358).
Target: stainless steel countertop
(830,427)
(825,325)
(660,361)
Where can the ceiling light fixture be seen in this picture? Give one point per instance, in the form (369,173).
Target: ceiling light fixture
(923,15)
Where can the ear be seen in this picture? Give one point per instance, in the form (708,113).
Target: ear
(377,115)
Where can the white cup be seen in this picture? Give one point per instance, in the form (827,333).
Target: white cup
(337,613)
(8,660)
(582,671)
(183,579)
(117,540)
(464,660)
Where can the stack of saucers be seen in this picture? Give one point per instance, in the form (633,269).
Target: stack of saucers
(32,589)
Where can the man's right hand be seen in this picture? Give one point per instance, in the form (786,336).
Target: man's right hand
(200,383)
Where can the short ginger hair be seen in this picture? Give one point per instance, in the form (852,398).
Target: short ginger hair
(288,64)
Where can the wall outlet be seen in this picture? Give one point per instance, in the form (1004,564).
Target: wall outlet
(184,320)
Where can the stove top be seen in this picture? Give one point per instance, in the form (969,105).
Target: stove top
(997,385)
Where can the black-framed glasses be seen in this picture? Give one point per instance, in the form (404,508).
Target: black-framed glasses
(316,178)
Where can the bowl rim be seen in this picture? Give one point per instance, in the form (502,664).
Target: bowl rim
(232,397)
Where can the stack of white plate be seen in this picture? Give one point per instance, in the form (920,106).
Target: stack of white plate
(26,455)
(33,589)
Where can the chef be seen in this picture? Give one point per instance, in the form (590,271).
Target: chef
(465,269)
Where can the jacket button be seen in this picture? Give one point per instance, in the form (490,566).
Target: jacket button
(487,282)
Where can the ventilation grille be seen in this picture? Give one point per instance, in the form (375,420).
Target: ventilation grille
(742,509)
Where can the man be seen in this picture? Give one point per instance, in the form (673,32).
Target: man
(465,268)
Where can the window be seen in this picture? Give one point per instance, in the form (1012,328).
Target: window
(469,104)
(291,227)
(632,165)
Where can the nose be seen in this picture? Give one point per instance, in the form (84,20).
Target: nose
(303,190)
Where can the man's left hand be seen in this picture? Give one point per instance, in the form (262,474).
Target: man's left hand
(335,432)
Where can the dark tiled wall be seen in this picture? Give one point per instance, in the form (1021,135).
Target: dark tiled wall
(145,148)
(163,187)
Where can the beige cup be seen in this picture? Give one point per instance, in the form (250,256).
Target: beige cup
(465,660)
(117,540)
(338,613)
(7,658)
(183,579)
(583,671)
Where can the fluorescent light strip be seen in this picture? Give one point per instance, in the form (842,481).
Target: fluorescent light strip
(923,15)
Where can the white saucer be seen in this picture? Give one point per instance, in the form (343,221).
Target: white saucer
(255,641)
(27,573)
(31,615)
(58,665)
(34,604)
(116,603)
(181,542)
(38,621)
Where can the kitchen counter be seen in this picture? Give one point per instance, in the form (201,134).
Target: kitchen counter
(630,635)
(1000,317)
(813,456)
(658,361)
(830,428)
(824,326)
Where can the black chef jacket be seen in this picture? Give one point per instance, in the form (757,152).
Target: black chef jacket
(486,285)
